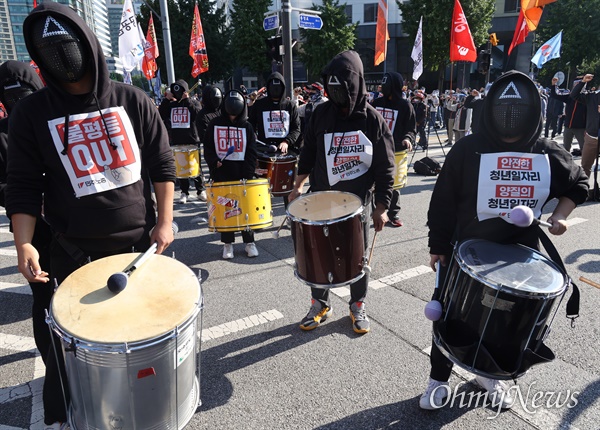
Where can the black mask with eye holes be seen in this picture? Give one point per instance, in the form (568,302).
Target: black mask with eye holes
(386,85)
(338,93)
(234,103)
(275,89)
(15,91)
(216,97)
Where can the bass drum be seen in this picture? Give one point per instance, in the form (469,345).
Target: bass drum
(328,235)
(133,358)
(498,304)
(187,161)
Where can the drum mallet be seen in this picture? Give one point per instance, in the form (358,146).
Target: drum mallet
(270,148)
(433,309)
(589,281)
(118,281)
(276,233)
(522,216)
(367,267)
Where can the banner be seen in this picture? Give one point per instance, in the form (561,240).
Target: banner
(131,48)
(149,66)
(417,53)
(381,34)
(198,46)
(532,10)
(462,47)
(521,32)
(157,85)
(548,51)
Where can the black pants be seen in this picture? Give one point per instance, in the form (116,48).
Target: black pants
(441,367)
(394,205)
(229,236)
(55,381)
(184,184)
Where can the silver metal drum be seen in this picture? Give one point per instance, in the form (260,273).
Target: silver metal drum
(132,359)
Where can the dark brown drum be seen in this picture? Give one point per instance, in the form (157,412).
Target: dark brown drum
(328,234)
(280,170)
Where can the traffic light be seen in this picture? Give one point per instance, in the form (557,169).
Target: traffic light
(493,39)
(273,48)
(483,61)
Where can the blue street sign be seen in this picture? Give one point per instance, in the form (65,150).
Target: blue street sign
(312,22)
(271,22)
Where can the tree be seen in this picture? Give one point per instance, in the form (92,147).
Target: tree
(320,46)
(249,47)
(570,17)
(216,34)
(437,21)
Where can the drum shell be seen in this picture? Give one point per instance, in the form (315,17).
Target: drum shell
(329,253)
(488,329)
(280,171)
(401,170)
(187,161)
(253,202)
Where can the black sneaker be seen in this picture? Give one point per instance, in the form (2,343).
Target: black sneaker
(316,315)
(360,322)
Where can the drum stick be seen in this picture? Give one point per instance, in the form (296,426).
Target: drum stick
(588,281)
(372,248)
(270,148)
(276,233)
(118,281)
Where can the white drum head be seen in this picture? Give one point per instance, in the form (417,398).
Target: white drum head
(324,206)
(160,295)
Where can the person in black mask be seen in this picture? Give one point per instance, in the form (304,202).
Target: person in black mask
(468,201)
(400,117)
(90,150)
(233,129)
(347,124)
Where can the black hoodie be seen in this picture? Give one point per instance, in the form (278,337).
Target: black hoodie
(10,73)
(452,215)
(207,113)
(265,117)
(90,190)
(398,113)
(223,133)
(347,160)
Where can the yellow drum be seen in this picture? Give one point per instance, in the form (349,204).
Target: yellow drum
(239,205)
(187,161)
(401,172)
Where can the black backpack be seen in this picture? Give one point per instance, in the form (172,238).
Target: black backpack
(428,167)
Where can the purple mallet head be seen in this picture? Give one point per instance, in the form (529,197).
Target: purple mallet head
(521,216)
(433,310)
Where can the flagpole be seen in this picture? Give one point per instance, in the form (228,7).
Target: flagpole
(386,39)
(451,72)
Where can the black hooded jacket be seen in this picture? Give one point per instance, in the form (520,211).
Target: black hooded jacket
(180,121)
(207,113)
(10,72)
(77,158)
(327,119)
(266,108)
(220,136)
(398,113)
(452,215)
(591,101)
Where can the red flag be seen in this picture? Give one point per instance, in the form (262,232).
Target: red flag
(198,46)
(532,9)
(381,34)
(149,66)
(462,47)
(521,32)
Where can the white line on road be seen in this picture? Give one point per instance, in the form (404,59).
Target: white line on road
(8,287)
(241,324)
(9,252)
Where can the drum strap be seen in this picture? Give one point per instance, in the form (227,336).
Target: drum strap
(573,303)
(74,252)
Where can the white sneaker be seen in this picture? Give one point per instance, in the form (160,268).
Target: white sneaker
(434,395)
(183,198)
(251,250)
(499,392)
(228,251)
(202,196)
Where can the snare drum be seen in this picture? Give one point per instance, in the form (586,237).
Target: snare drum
(498,303)
(401,172)
(187,161)
(279,170)
(132,359)
(239,205)
(328,235)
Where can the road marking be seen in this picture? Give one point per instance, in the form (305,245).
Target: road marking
(5,230)
(241,324)
(541,418)
(9,252)
(574,221)
(8,287)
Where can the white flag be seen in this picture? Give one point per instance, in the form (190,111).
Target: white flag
(417,53)
(131,47)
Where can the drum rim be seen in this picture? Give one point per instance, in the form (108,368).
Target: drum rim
(190,148)
(505,288)
(283,158)
(328,286)
(239,182)
(305,221)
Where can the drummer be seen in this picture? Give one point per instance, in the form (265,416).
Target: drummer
(105,209)
(275,119)
(347,147)
(232,129)
(511,123)
(400,117)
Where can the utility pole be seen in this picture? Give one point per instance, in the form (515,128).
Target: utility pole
(164,19)
(286,23)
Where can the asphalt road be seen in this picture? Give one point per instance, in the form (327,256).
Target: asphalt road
(260,371)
